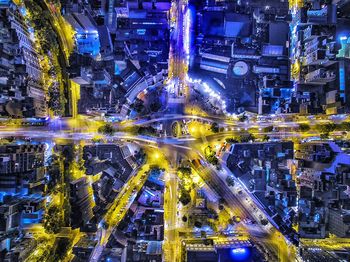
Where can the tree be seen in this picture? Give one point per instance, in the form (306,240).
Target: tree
(185,197)
(62,246)
(244,138)
(231,222)
(212,213)
(107,129)
(96,140)
(198,224)
(176,129)
(264,222)
(242,117)
(303,127)
(326,128)
(155,106)
(268,129)
(344,126)
(324,136)
(186,171)
(265,138)
(214,127)
(147,130)
(138,106)
(231,140)
(53,219)
(230,181)
(210,156)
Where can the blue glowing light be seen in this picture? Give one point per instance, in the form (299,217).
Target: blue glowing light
(240,254)
(141,31)
(317,218)
(88,43)
(23,11)
(116,69)
(239,251)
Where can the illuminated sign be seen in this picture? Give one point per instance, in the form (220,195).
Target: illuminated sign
(141,31)
(240,68)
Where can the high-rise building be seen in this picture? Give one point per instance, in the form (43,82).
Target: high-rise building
(21,168)
(81,203)
(22,93)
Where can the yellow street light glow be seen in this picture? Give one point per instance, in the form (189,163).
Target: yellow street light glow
(156,155)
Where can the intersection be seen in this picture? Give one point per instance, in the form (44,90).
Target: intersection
(168,151)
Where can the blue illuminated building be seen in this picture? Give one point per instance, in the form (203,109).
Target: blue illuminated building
(146,28)
(240,254)
(5,2)
(32,210)
(344,80)
(87,36)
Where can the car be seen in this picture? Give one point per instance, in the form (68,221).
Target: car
(236,219)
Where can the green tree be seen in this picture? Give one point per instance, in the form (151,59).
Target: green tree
(268,129)
(198,224)
(155,106)
(210,156)
(326,128)
(185,197)
(53,219)
(324,136)
(344,126)
(147,130)
(176,129)
(96,140)
(107,129)
(264,222)
(138,106)
(230,181)
(265,138)
(243,117)
(244,138)
(304,127)
(231,140)
(186,171)
(62,246)
(214,127)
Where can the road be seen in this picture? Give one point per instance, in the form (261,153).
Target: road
(117,210)
(173,148)
(177,57)
(171,235)
(86,127)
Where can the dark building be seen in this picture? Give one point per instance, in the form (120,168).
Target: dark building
(22,92)
(324,200)
(81,203)
(265,169)
(10,214)
(237,44)
(21,168)
(83,249)
(122,163)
